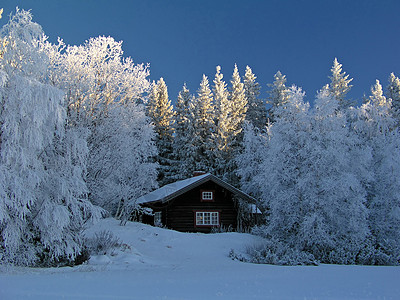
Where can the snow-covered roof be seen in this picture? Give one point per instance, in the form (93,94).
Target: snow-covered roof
(172,190)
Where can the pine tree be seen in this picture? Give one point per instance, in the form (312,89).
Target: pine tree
(278,95)
(256,109)
(161,113)
(340,85)
(203,128)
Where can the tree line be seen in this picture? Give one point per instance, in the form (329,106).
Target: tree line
(204,132)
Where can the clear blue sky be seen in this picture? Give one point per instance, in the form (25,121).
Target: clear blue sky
(182,39)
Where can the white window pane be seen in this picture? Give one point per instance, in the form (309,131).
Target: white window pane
(214,218)
(207,218)
(199,218)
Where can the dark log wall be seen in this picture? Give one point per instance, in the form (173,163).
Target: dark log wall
(179,214)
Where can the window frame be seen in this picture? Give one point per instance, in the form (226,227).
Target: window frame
(210,214)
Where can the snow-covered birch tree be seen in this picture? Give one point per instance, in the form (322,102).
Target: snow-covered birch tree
(104,91)
(377,131)
(124,171)
(282,166)
(334,222)
(393,92)
(43,202)
(249,161)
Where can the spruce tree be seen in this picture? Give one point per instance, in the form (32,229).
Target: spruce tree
(340,85)
(160,110)
(256,109)
(203,133)
(237,116)
(278,95)
(222,120)
(182,145)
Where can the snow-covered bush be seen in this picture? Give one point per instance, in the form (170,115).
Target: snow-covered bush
(102,243)
(274,253)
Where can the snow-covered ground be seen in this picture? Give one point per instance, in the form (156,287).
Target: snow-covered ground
(164,264)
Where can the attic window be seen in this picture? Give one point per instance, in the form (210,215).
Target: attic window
(207,196)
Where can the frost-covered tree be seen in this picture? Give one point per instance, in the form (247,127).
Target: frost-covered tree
(376,129)
(340,85)
(102,89)
(160,111)
(231,110)
(334,222)
(250,160)
(220,93)
(238,103)
(309,181)
(282,166)
(124,171)
(278,94)
(222,120)
(98,77)
(43,195)
(182,144)
(393,92)
(203,132)
(237,117)
(256,109)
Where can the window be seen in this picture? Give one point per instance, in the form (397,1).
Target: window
(157,218)
(207,196)
(207,218)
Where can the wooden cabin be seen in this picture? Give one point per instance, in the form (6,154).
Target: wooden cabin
(198,204)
